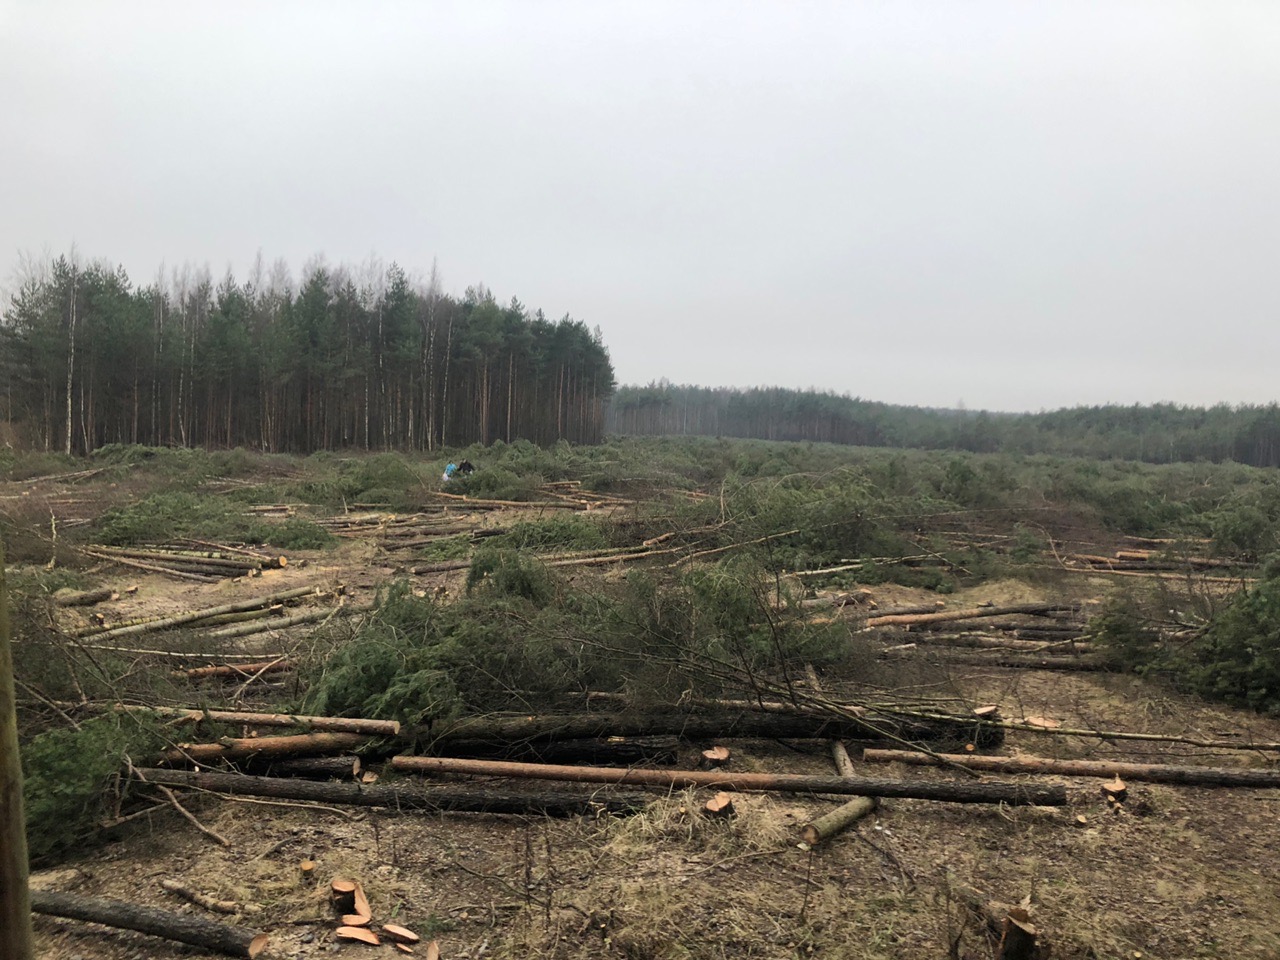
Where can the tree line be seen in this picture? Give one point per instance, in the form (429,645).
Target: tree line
(362,358)
(1157,433)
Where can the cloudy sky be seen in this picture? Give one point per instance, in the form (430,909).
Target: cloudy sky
(1015,205)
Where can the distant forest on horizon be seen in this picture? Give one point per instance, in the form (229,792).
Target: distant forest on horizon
(366,358)
(358,358)
(1156,433)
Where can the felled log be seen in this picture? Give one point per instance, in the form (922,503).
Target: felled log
(795,724)
(1082,664)
(237,670)
(719,807)
(973,613)
(193,616)
(614,751)
(301,745)
(403,797)
(379,728)
(978,641)
(1148,772)
(838,820)
(968,791)
(281,623)
(183,927)
(149,567)
(212,904)
(83,598)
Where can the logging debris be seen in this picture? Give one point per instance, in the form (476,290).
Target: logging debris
(1148,772)
(185,928)
(954,792)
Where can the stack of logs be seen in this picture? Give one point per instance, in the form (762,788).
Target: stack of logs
(186,563)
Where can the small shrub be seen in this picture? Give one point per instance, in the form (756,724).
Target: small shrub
(69,776)
(505,573)
(298,533)
(564,532)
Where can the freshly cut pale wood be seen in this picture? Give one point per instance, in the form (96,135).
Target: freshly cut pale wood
(384,728)
(403,947)
(401,797)
(1115,790)
(720,806)
(182,927)
(212,904)
(237,670)
(305,744)
(402,934)
(838,820)
(359,934)
(715,758)
(1018,938)
(971,613)
(356,919)
(433,950)
(955,792)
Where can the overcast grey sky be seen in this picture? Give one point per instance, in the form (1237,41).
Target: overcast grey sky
(1020,205)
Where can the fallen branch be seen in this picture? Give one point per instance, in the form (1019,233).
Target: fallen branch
(307,744)
(238,670)
(954,792)
(212,904)
(194,616)
(383,728)
(182,927)
(402,797)
(1148,772)
(84,598)
(911,619)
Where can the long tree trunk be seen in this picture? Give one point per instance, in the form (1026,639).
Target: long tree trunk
(71,355)
(402,797)
(966,791)
(15,908)
(1149,772)
(182,927)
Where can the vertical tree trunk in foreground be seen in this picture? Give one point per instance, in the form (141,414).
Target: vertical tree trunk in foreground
(15,902)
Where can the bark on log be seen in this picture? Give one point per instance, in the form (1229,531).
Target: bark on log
(838,820)
(485,731)
(973,613)
(401,797)
(150,567)
(653,751)
(1053,645)
(238,671)
(182,927)
(373,728)
(956,792)
(15,910)
(84,598)
(1148,772)
(306,744)
(1089,664)
(313,768)
(281,623)
(194,616)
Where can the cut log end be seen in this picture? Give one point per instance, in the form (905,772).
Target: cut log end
(720,806)
(258,944)
(1115,791)
(400,934)
(359,934)
(715,758)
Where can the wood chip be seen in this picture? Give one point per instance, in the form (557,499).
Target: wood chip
(402,934)
(358,933)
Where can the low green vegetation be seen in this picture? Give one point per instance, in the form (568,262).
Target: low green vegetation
(1232,657)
